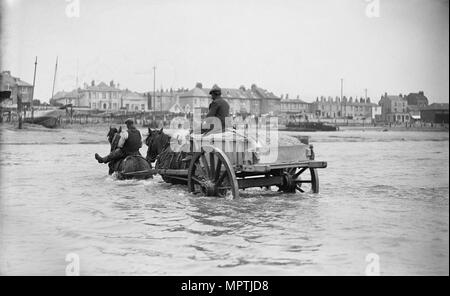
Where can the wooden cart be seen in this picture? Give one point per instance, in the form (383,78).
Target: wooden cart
(211,171)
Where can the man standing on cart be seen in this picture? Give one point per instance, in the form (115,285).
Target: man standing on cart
(218,109)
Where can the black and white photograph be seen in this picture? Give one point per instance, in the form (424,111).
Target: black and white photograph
(196,139)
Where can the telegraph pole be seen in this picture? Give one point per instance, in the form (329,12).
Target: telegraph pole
(154,90)
(32,92)
(54,77)
(342,95)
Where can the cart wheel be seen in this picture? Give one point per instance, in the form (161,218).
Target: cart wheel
(301,179)
(212,174)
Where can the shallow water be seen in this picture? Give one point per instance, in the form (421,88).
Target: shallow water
(383,193)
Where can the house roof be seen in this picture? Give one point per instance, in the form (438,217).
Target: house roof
(101,87)
(131,95)
(293,101)
(6,77)
(255,93)
(20,82)
(65,95)
(436,106)
(195,92)
(417,98)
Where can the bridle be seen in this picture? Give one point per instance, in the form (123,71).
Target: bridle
(154,154)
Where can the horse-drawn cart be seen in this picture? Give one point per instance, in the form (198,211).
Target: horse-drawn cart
(219,166)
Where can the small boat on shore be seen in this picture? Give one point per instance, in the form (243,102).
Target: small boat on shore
(47,118)
(309,127)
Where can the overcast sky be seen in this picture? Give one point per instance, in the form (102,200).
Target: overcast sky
(286,46)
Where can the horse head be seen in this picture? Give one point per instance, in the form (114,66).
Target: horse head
(157,141)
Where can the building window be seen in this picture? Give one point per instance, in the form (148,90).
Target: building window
(142,106)
(104,105)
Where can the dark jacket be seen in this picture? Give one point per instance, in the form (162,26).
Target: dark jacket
(134,141)
(219,108)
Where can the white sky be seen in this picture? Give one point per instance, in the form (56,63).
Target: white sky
(287,46)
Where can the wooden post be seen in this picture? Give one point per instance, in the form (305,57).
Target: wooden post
(19,109)
(32,92)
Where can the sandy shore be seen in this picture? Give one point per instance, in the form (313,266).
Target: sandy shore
(96,134)
(36,134)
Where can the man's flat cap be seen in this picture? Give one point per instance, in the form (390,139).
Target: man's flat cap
(215,89)
(129,120)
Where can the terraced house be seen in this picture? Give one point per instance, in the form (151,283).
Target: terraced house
(255,100)
(346,108)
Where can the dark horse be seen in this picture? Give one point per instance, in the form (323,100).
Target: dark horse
(159,150)
(132,166)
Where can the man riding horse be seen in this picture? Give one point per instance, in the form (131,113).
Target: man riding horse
(129,143)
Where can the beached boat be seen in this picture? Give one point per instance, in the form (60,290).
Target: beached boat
(308,127)
(47,118)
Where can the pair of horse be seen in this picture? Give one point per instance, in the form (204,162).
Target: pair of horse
(136,166)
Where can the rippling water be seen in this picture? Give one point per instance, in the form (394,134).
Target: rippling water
(383,193)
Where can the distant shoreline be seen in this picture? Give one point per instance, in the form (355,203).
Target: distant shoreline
(105,127)
(396,128)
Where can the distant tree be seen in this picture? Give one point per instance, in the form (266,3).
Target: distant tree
(36,102)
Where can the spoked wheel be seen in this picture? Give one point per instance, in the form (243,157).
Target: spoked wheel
(301,180)
(212,174)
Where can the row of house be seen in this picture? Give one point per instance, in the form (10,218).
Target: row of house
(392,109)
(330,108)
(253,100)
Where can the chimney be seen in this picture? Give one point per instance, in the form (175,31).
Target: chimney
(93,83)
(199,85)
(111,83)
(253,87)
(242,88)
